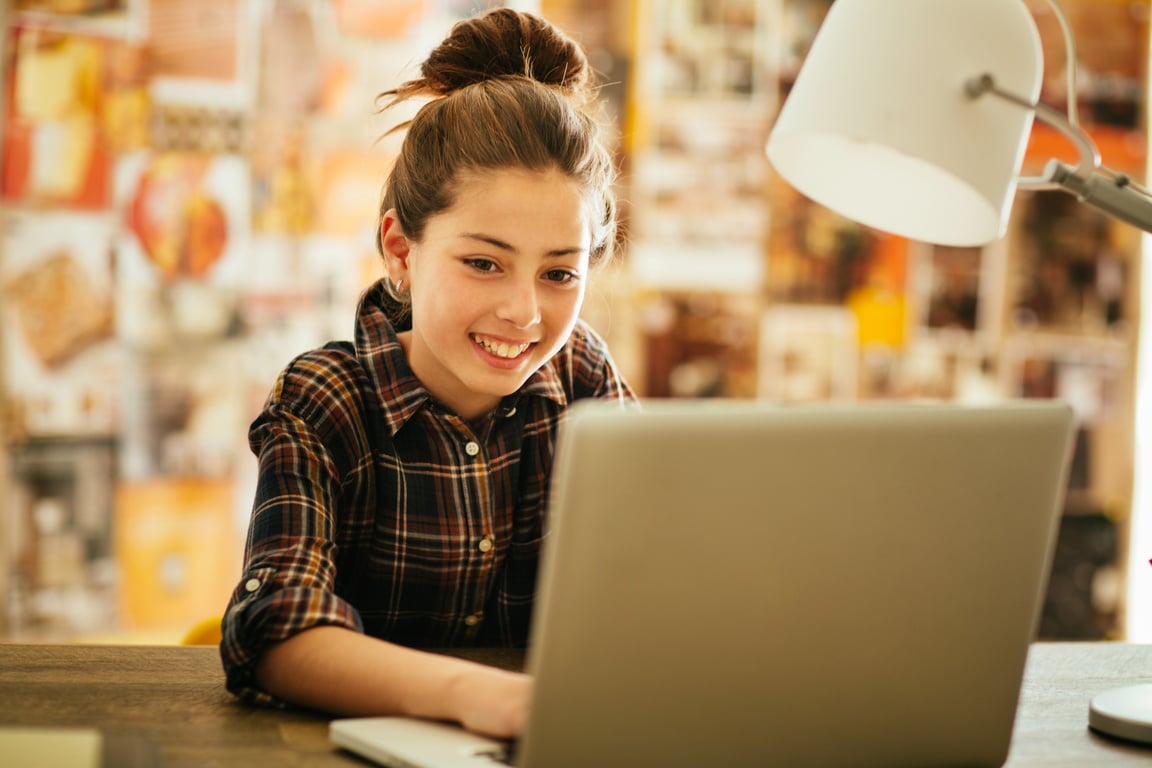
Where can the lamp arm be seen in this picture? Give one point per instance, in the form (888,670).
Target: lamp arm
(1089,154)
(1111,192)
(1114,194)
(1071,60)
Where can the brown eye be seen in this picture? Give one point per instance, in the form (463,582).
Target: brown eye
(562,276)
(481,265)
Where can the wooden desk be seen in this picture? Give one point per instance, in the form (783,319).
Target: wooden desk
(167,705)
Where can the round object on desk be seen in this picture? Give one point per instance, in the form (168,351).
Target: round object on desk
(1125,713)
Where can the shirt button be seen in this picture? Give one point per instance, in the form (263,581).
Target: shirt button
(485,544)
(252,585)
(473,619)
(471,448)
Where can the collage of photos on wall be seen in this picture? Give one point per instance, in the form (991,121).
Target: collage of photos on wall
(197,181)
(702,107)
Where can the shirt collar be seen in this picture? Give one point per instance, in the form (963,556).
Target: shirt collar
(378,319)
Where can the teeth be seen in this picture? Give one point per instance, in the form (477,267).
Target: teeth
(501,349)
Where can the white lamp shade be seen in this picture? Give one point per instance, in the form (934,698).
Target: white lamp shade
(878,126)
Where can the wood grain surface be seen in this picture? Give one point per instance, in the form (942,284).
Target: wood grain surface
(167,706)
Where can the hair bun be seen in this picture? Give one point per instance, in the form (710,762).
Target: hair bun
(506,43)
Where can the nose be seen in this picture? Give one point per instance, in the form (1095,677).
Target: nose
(519,303)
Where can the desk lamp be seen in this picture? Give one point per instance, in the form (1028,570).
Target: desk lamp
(890,122)
(912,116)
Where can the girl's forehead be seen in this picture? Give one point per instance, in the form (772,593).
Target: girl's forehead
(519,199)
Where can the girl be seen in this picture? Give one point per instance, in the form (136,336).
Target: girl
(403,476)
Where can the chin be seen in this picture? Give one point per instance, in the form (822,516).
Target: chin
(500,385)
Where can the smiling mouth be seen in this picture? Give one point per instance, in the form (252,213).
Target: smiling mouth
(501,349)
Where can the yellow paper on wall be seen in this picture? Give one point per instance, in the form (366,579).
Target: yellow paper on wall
(56,80)
(176,549)
(879,316)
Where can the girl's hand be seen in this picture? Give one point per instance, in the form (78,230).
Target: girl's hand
(492,701)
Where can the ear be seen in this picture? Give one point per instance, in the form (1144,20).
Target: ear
(395,246)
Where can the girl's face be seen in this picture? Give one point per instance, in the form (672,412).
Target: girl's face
(496,283)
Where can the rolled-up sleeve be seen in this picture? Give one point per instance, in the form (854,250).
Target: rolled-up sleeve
(288,583)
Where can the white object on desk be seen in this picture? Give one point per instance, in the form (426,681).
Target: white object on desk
(406,741)
(1125,713)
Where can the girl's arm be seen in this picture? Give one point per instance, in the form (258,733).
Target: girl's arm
(341,671)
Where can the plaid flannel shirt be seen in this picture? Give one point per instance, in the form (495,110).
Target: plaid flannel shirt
(378,510)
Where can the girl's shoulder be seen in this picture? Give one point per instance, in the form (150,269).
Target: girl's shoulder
(327,382)
(325,367)
(323,395)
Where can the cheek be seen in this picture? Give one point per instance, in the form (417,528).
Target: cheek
(437,309)
(444,309)
(564,309)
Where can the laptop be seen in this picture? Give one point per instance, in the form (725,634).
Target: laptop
(737,583)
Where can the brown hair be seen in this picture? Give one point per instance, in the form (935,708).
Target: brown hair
(508,90)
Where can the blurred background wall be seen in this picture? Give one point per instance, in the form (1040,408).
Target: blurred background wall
(188,194)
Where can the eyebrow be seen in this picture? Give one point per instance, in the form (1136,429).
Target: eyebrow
(498,243)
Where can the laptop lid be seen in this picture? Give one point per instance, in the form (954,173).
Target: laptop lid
(737,583)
